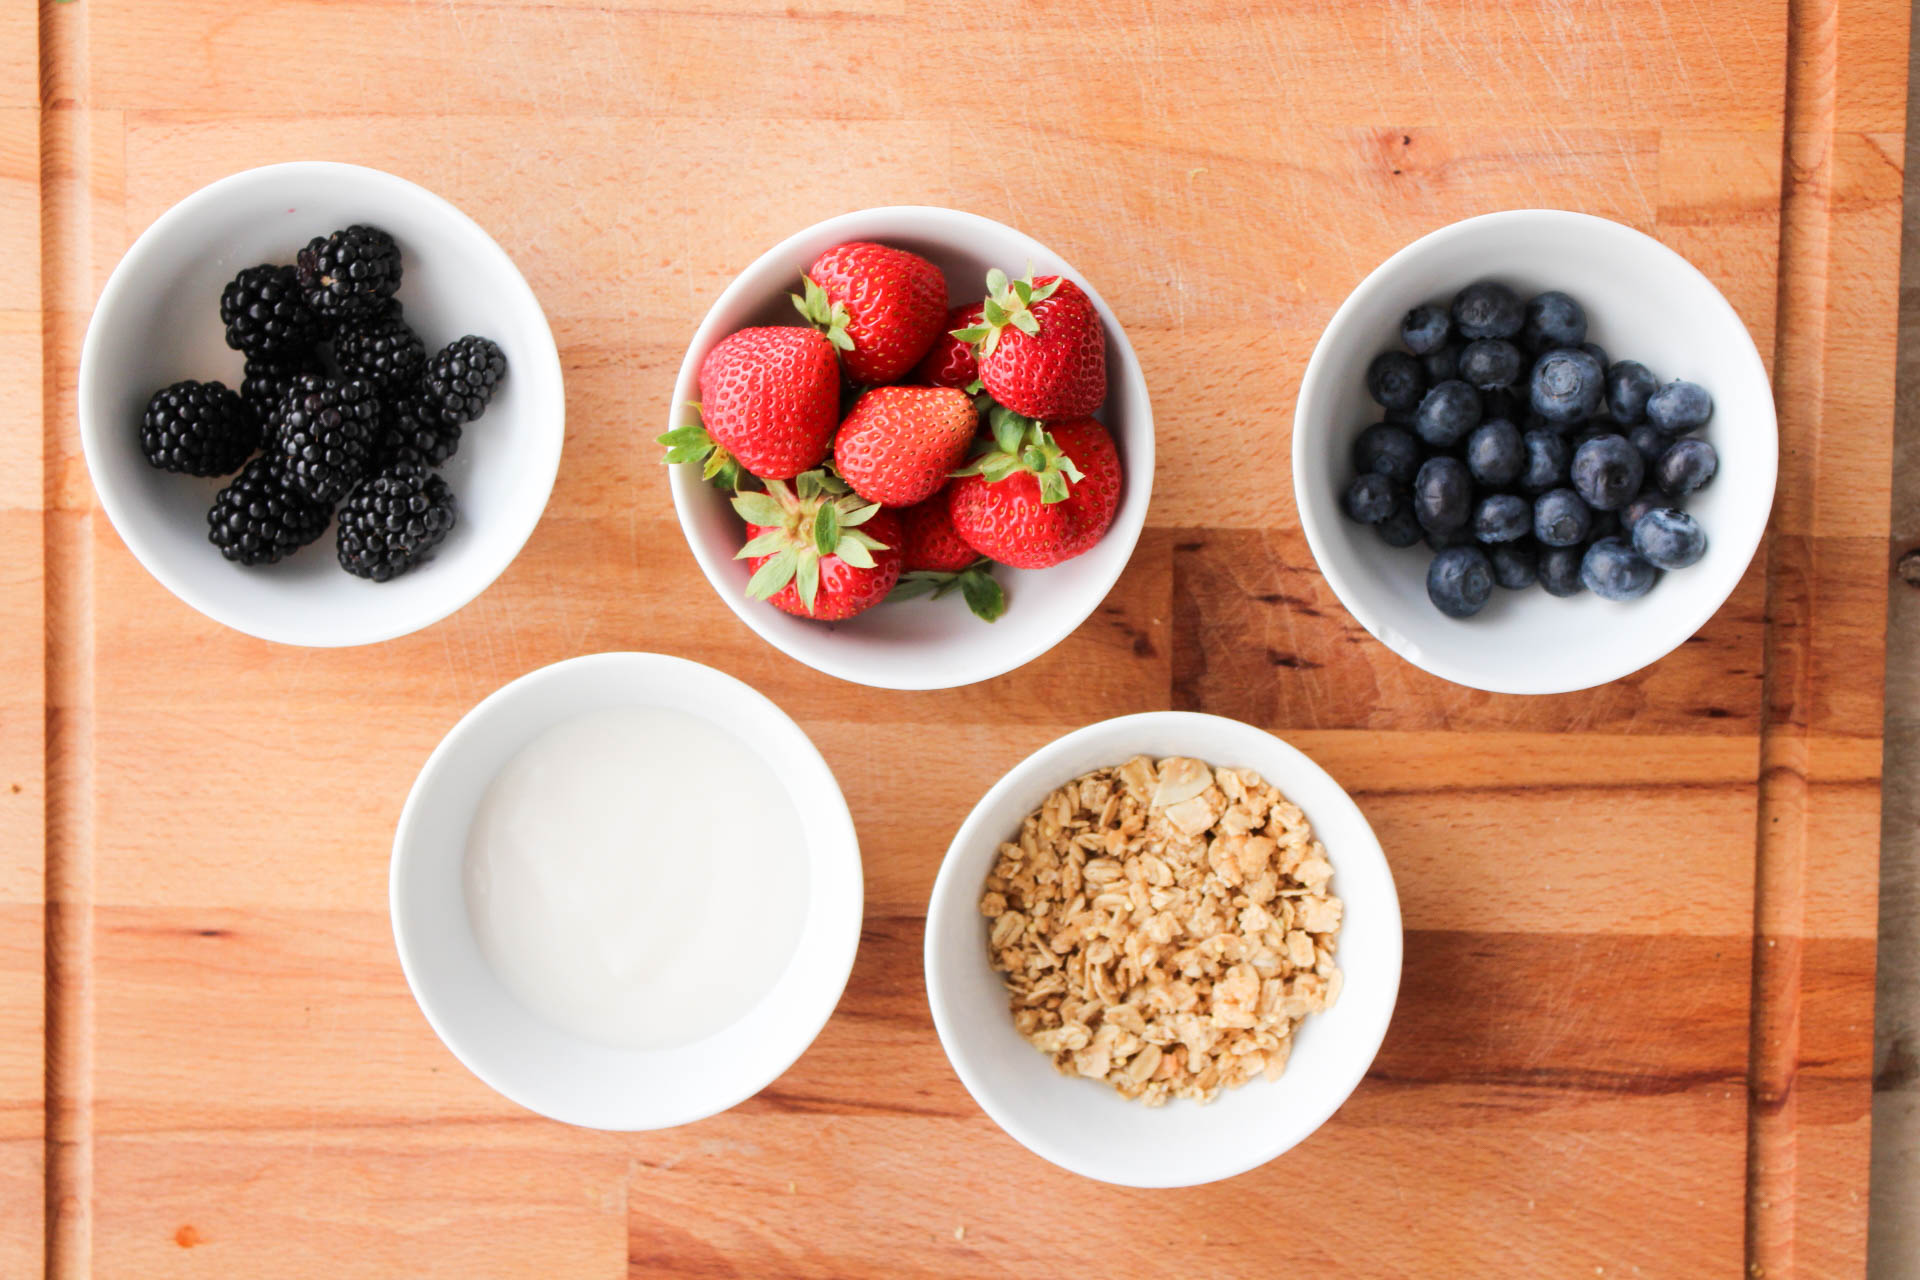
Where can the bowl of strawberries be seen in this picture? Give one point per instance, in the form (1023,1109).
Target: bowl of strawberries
(903,465)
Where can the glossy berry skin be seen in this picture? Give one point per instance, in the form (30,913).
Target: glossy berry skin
(1631,514)
(267,381)
(951,362)
(393,521)
(1613,570)
(1005,520)
(1058,373)
(1459,581)
(1447,413)
(1401,529)
(1443,495)
(1441,364)
(845,589)
(1395,380)
(1553,320)
(1496,455)
(898,444)
(1560,519)
(1370,499)
(1502,517)
(771,397)
(1388,450)
(1485,309)
(1548,459)
(1680,407)
(1598,352)
(351,272)
(266,313)
(1516,564)
(459,380)
(1687,466)
(198,429)
(1425,329)
(896,306)
(1490,363)
(1668,538)
(1560,570)
(1607,472)
(930,541)
(1649,441)
(1566,386)
(1629,385)
(322,436)
(1439,540)
(384,351)
(258,519)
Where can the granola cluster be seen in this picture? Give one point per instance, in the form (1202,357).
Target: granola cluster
(1164,928)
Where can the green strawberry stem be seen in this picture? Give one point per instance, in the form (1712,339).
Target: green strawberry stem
(691,443)
(817,516)
(1009,302)
(830,318)
(1020,443)
(975,583)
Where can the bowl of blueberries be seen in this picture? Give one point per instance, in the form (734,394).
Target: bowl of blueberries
(1534,451)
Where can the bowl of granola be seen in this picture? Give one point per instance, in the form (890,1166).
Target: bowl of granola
(1163,949)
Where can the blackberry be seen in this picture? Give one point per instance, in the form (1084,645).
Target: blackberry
(257,519)
(199,428)
(393,521)
(270,378)
(409,433)
(380,349)
(349,273)
(323,435)
(266,313)
(461,377)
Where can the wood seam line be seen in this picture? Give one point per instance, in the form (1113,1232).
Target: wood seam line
(1781,830)
(66,297)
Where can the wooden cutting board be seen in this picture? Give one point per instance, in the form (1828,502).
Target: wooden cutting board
(1635,1031)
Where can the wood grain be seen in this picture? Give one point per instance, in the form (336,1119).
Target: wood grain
(1635,1031)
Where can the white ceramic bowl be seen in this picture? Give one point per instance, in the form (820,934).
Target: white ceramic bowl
(158,321)
(919,644)
(526,1058)
(1644,302)
(1085,1126)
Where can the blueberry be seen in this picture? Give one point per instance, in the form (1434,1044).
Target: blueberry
(1597,351)
(1613,570)
(1495,453)
(1607,471)
(1560,570)
(1396,380)
(1680,407)
(1442,364)
(1649,498)
(1560,519)
(1447,413)
(1399,529)
(1490,362)
(1370,499)
(1648,440)
(1669,539)
(1487,310)
(1687,466)
(1629,383)
(1516,565)
(1461,537)
(1443,495)
(1502,517)
(1459,581)
(1389,450)
(1425,329)
(1567,385)
(1548,457)
(1553,320)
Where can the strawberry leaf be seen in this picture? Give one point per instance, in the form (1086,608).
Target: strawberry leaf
(766,544)
(759,508)
(776,573)
(1009,429)
(1025,323)
(850,550)
(864,538)
(1047,290)
(920,582)
(996,280)
(826,528)
(859,515)
(808,583)
(1053,487)
(982,594)
(971,335)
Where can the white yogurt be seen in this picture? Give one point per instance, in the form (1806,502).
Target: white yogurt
(637,876)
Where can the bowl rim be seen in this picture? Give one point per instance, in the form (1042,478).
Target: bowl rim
(1364,1039)
(1688,619)
(837,955)
(118,505)
(997,659)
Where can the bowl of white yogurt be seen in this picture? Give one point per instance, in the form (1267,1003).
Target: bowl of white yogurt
(626,891)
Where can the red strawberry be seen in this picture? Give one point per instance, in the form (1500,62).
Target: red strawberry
(951,362)
(1039,496)
(770,397)
(816,550)
(1041,348)
(881,306)
(898,443)
(937,561)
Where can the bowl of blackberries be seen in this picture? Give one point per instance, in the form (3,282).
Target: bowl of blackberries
(320,404)
(1534,451)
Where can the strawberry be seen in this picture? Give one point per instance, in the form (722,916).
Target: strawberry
(1042,351)
(951,362)
(1037,497)
(817,551)
(881,306)
(897,444)
(936,561)
(770,397)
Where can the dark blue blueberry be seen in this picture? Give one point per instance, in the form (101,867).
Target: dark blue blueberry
(1613,570)
(1502,517)
(1443,495)
(1548,458)
(1370,499)
(1389,450)
(1607,471)
(1687,466)
(1629,383)
(1501,402)
(1459,581)
(1567,385)
(1516,565)
(1597,351)
(1396,380)
(1442,364)
(1605,524)
(1680,407)
(1560,570)
(1553,320)
(1425,329)
(1461,537)
(1648,440)
(1447,413)
(1495,453)
(1649,498)
(1560,519)
(1485,309)
(1490,362)
(1669,539)
(1399,529)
